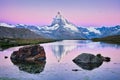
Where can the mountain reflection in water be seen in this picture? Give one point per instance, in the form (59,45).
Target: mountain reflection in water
(60,51)
(89,66)
(62,48)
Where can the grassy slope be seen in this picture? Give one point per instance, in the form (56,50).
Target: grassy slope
(5,78)
(109,39)
(6,43)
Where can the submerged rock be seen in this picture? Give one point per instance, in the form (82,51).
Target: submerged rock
(89,61)
(76,70)
(6,57)
(32,53)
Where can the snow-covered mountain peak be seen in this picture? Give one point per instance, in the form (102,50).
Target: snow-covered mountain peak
(58,16)
(59,19)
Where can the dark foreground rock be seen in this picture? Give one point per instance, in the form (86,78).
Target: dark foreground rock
(34,53)
(89,61)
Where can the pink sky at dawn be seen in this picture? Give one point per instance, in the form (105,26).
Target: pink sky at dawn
(80,12)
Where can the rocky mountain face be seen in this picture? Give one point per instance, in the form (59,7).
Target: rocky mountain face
(61,28)
(101,32)
(6,32)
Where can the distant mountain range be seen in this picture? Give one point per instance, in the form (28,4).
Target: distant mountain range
(6,32)
(63,29)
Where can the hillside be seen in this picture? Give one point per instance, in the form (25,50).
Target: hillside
(10,37)
(6,32)
(109,39)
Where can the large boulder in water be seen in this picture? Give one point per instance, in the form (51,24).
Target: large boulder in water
(32,53)
(89,61)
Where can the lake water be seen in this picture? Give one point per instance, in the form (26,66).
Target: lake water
(59,64)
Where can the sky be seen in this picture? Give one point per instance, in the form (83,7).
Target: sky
(87,13)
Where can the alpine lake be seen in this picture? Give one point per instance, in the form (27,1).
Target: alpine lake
(59,64)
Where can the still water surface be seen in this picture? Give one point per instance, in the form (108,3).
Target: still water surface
(59,64)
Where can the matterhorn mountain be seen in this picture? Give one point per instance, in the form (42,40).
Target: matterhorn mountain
(61,22)
(61,28)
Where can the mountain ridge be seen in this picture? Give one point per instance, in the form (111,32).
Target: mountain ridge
(61,28)
(6,32)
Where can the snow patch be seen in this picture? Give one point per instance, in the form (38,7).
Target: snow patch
(46,31)
(86,33)
(7,25)
(71,27)
(92,29)
(38,27)
(56,26)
